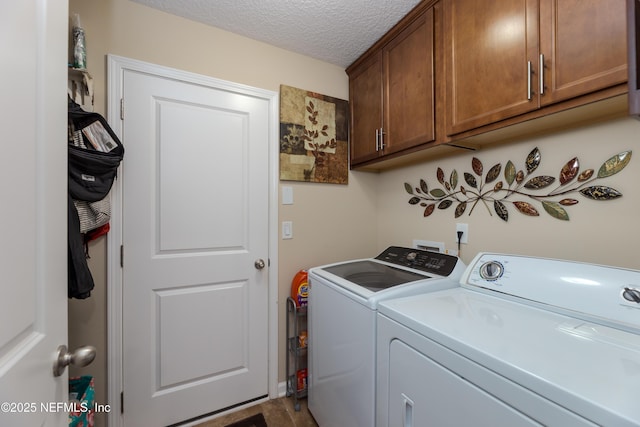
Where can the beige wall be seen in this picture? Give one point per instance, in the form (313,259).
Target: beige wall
(333,222)
(598,231)
(322,214)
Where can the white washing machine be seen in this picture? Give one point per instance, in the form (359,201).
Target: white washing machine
(523,342)
(343,299)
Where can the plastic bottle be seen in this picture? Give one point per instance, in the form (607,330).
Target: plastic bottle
(79,47)
(300,288)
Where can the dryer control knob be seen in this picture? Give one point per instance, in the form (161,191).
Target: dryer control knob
(631,294)
(491,270)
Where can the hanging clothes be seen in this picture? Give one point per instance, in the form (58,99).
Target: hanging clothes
(95,152)
(80,282)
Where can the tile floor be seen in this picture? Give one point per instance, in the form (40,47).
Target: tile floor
(277,413)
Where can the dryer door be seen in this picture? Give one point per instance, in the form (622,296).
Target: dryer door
(424,393)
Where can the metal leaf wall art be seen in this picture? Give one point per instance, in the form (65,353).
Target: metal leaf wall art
(518,188)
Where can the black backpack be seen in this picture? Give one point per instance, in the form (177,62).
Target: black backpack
(95,152)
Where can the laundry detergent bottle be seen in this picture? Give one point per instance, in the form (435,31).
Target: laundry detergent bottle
(300,288)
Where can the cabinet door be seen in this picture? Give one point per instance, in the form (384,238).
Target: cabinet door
(488,46)
(365,98)
(409,109)
(633,40)
(583,43)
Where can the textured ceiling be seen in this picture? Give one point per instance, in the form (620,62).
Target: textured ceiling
(335,31)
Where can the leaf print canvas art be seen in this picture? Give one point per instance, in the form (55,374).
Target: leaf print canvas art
(314,135)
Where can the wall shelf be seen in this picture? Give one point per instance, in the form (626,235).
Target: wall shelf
(80,87)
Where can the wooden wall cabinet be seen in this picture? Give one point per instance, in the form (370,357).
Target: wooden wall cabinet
(391,91)
(507,58)
(456,74)
(365,103)
(633,19)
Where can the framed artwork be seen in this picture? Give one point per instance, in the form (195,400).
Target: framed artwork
(314,137)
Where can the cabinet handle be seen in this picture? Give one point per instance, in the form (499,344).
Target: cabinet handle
(529,72)
(541,74)
(381,139)
(377,140)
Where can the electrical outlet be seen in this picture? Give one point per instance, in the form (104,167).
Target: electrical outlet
(465,232)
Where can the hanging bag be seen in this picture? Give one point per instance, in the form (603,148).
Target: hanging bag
(95,152)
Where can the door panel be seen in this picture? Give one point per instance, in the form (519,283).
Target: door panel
(33,188)
(488,49)
(423,392)
(365,97)
(584,46)
(409,86)
(180,311)
(195,219)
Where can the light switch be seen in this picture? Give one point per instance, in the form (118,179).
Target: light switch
(287,230)
(287,195)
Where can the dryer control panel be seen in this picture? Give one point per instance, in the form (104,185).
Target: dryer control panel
(598,293)
(430,262)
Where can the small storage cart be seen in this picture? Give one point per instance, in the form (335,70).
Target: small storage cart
(296,352)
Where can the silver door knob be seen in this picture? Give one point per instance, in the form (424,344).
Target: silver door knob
(81,357)
(259,264)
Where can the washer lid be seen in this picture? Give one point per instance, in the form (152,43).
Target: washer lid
(588,368)
(395,266)
(372,275)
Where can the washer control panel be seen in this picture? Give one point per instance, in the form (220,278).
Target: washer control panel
(430,262)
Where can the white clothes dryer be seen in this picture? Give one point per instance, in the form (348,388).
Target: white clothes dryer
(523,342)
(343,299)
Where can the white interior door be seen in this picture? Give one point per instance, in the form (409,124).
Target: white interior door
(195,223)
(33,189)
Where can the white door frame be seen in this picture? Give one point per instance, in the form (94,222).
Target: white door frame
(116,65)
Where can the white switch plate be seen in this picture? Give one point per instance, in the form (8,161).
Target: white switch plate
(287,195)
(287,230)
(465,233)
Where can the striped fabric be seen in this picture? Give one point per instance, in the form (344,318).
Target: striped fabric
(93,214)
